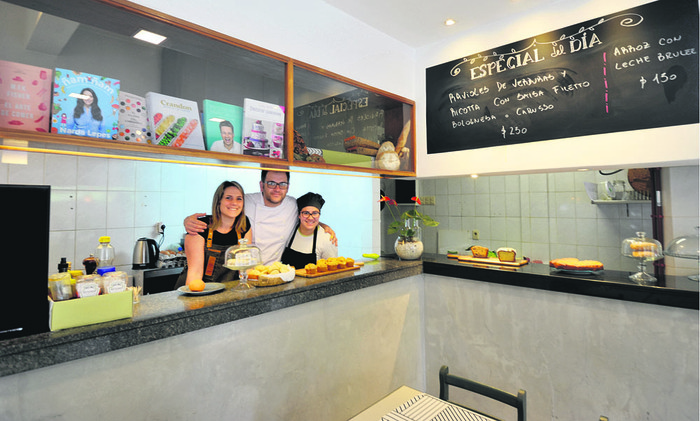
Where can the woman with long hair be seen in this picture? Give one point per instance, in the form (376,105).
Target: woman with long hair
(87,115)
(206,251)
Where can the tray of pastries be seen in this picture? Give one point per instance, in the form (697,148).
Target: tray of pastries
(574,265)
(327,266)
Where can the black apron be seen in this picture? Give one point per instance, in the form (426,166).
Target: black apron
(214,260)
(296,258)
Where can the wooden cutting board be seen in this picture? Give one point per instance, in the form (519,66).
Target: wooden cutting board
(302,272)
(491,261)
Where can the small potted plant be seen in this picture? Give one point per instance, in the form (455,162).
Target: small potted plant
(408,245)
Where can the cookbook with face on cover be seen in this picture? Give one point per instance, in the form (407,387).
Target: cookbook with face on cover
(174,121)
(223,126)
(84,104)
(26,96)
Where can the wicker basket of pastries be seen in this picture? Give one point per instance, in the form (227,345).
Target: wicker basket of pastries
(275,274)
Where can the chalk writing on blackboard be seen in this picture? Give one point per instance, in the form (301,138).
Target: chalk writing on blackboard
(630,70)
(326,123)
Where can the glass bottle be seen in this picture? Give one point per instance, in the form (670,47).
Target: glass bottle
(104,254)
(90,264)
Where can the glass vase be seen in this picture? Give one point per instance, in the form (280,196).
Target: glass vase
(409,244)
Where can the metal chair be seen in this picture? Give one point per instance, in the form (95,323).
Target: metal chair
(446,379)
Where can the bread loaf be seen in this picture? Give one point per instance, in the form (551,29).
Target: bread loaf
(479,251)
(506,254)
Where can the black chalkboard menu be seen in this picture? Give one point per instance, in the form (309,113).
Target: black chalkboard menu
(635,69)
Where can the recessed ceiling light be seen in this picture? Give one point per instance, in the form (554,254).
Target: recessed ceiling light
(147,36)
(450,22)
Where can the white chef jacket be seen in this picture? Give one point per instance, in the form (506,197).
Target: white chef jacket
(272,226)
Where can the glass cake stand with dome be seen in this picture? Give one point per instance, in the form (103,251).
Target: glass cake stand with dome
(241,257)
(644,250)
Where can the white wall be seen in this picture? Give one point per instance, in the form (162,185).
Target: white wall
(640,148)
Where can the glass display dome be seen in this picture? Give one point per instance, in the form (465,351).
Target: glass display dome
(241,257)
(685,247)
(644,250)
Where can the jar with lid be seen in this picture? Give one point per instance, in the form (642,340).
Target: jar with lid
(89,286)
(104,254)
(60,286)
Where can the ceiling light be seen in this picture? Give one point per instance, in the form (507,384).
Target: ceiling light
(450,22)
(474,176)
(147,36)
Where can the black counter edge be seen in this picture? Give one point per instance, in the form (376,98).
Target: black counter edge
(611,290)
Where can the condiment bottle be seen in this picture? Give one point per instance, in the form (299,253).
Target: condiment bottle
(90,264)
(63,265)
(104,252)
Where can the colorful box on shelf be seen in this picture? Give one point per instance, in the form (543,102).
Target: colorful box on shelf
(90,310)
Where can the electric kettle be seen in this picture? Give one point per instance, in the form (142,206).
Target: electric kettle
(145,253)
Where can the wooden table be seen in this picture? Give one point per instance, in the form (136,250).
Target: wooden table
(430,407)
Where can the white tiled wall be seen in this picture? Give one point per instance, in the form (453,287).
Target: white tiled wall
(95,196)
(546,216)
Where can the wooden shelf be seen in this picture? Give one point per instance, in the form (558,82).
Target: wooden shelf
(619,202)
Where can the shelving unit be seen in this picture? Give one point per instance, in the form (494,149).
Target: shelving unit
(196,63)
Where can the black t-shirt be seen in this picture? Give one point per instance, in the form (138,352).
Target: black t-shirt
(219,239)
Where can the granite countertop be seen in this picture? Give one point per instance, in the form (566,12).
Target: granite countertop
(168,314)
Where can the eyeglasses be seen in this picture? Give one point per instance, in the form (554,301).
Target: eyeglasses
(306,214)
(283,185)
